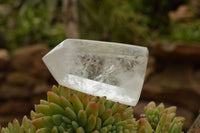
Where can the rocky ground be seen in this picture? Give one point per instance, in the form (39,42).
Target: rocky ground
(172,77)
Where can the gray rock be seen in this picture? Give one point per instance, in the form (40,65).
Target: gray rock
(29,59)
(4,58)
(15,107)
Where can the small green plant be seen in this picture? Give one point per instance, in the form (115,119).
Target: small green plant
(69,111)
(160,120)
(186,32)
(24,25)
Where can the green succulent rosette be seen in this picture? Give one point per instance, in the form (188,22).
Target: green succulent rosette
(160,120)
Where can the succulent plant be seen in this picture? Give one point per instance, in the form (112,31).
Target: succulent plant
(69,111)
(195,128)
(72,111)
(160,120)
(15,127)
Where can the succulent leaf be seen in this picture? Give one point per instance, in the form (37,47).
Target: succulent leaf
(72,111)
(15,127)
(69,111)
(163,120)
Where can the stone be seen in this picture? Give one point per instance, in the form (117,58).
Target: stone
(183,13)
(189,53)
(12,91)
(15,107)
(195,4)
(150,67)
(29,59)
(99,68)
(4,58)
(21,79)
(41,88)
(175,84)
(2,77)
(176,75)
(4,10)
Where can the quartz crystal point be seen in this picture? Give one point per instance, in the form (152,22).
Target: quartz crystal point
(98,68)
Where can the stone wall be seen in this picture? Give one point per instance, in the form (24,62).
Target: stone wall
(23,80)
(172,77)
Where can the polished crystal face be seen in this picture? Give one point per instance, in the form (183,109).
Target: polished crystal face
(98,68)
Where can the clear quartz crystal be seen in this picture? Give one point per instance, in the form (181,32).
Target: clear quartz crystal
(100,68)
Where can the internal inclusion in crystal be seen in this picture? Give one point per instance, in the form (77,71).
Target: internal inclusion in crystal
(104,68)
(107,75)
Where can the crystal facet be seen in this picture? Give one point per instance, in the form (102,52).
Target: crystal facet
(98,68)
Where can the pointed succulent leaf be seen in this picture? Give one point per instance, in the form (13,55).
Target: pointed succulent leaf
(144,126)
(91,123)
(82,117)
(92,109)
(77,104)
(69,111)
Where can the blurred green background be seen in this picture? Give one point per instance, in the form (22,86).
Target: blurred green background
(27,22)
